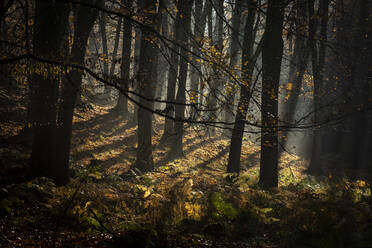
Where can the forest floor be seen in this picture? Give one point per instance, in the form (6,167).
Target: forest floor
(185,202)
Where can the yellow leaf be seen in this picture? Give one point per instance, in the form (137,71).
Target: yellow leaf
(147,193)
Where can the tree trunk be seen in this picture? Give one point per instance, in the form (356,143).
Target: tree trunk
(200,21)
(216,82)
(185,11)
(272,52)
(50,23)
(248,63)
(105,55)
(147,77)
(84,22)
(122,104)
(234,61)
(172,79)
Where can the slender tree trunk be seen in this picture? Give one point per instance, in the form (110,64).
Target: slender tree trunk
(216,82)
(185,11)
(50,23)
(84,22)
(272,52)
(200,21)
(102,27)
(162,62)
(147,76)
(248,60)
(172,79)
(234,61)
(137,54)
(116,46)
(122,104)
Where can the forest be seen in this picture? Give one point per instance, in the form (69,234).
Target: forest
(186,123)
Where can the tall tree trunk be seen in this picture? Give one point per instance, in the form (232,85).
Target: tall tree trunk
(147,76)
(122,104)
(172,79)
(49,29)
(185,11)
(200,21)
(84,22)
(163,63)
(234,61)
(249,58)
(137,55)
(358,153)
(317,62)
(102,27)
(116,46)
(216,82)
(272,52)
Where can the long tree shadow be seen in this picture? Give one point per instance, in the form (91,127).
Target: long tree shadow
(104,127)
(251,160)
(107,147)
(170,156)
(219,155)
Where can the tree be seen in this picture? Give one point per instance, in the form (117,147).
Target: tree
(197,41)
(234,59)
(122,104)
(71,86)
(147,83)
(249,58)
(272,51)
(50,20)
(185,11)
(172,78)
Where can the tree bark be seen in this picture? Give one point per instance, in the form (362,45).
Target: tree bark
(122,104)
(50,23)
(272,52)
(249,58)
(147,77)
(71,86)
(172,79)
(185,11)
(234,61)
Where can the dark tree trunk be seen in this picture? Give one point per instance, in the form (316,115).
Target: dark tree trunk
(102,27)
(200,19)
(248,62)
(358,154)
(185,11)
(85,19)
(172,79)
(272,52)
(122,104)
(49,29)
(317,63)
(147,76)
(216,82)
(234,60)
